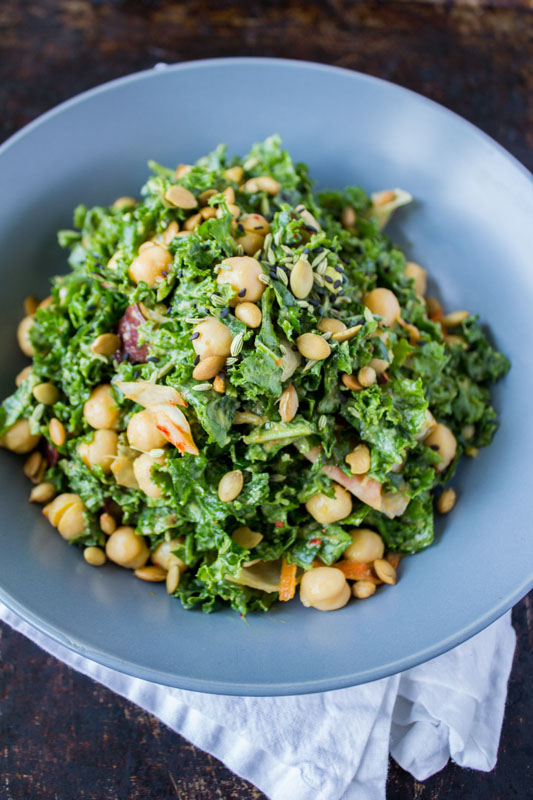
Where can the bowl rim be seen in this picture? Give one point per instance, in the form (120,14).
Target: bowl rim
(33,617)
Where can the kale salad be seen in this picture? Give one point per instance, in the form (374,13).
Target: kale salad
(241,389)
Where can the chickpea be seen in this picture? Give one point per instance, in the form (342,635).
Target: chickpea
(366,546)
(142,432)
(214,340)
(359,460)
(101,450)
(163,556)
(330,509)
(244,278)
(250,243)
(127,549)
(150,264)
(324,588)
(384,303)
(142,469)
(69,514)
(19,438)
(419,275)
(255,223)
(100,410)
(443,442)
(59,506)
(23,336)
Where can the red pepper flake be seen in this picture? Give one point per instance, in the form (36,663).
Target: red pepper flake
(279,524)
(315,542)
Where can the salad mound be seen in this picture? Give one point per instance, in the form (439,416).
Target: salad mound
(240,387)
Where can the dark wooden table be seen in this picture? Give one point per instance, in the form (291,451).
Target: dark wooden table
(62,735)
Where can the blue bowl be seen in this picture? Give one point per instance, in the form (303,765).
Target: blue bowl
(471,226)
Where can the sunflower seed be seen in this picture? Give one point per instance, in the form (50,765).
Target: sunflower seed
(202,387)
(231,361)
(236,345)
(322,267)
(265,206)
(303,304)
(264,279)
(318,279)
(322,422)
(217,300)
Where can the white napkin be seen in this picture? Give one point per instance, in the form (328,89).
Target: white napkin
(335,745)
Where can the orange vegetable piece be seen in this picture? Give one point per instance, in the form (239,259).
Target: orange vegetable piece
(356,571)
(287,582)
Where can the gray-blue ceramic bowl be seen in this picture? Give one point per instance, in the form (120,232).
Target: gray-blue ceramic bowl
(471,226)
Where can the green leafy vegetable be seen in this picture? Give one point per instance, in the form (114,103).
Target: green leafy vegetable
(233,420)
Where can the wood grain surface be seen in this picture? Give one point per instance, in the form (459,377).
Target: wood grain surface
(62,735)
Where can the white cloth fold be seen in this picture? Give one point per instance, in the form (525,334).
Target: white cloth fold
(335,745)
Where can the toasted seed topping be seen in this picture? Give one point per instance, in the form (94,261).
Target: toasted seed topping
(351,382)
(348,217)
(263,183)
(33,464)
(106,344)
(288,404)
(173,578)
(42,493)
(208,367)
(301,279)
(94,556)
(107,523)
(57,432)
(151,574)
(230,486)
(446,501)
(454,319)
(180,197)
(349,333)
(384,571)
(313,346)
